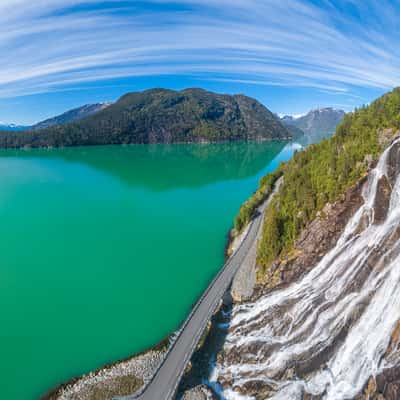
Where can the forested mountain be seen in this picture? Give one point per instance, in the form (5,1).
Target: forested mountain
(326,295)
(162,116)
(321,173)
(316,124)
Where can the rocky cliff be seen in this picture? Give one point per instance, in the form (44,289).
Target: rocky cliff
(330,329)
(324,321)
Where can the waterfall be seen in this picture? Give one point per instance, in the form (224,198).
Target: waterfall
(328,333)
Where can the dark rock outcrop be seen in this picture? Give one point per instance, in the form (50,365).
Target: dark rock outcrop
(382,200)
(201,392)
(393,164)
(386,385)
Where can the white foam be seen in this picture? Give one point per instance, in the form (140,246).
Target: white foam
(317,308)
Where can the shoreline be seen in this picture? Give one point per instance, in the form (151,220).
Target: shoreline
(130,374)
(113,379)
(196,142)
(134,371)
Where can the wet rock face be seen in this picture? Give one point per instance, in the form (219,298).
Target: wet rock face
(258,389)
(327,323)
(393,163)
(382,200)
(386,183)
(316,240)
(386,386)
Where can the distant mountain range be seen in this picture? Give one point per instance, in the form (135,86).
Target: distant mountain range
(316,124)
(11,127)
(159,115)
(156,116)
(76,114)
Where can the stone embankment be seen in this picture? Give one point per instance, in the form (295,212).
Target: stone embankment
(122,378)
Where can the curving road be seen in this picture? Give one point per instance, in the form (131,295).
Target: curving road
(165,382)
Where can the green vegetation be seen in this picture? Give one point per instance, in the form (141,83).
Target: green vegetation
(264,189)
(321,174)
(161,116)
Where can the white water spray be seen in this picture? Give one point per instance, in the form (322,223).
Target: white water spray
(333,327)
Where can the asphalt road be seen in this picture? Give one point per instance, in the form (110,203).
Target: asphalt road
(165,382)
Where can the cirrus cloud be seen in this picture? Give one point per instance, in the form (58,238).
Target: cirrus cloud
(330,45)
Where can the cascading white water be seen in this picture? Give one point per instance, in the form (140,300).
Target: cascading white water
(326,334)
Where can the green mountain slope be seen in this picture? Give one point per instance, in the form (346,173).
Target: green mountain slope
(322,173)
(162,116)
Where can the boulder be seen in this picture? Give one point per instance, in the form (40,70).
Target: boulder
(201,392)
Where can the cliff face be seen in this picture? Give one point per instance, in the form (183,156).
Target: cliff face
(323,172)
(319,237)
(324,321)
(327,325)
(162,116)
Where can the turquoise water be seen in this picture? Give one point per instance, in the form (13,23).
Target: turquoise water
(103,250)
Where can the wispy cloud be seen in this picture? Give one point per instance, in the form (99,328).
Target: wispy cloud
(328,45)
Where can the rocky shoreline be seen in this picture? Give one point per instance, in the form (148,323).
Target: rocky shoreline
(118,379)
(316,240)
(130,375)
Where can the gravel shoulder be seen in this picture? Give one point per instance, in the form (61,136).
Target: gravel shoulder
(244,282)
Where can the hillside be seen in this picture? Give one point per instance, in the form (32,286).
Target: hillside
(320,175)
(162,116)
(328,262)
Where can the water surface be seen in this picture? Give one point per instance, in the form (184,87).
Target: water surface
(103,250)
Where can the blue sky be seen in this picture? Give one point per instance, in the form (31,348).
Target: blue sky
(293,55)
